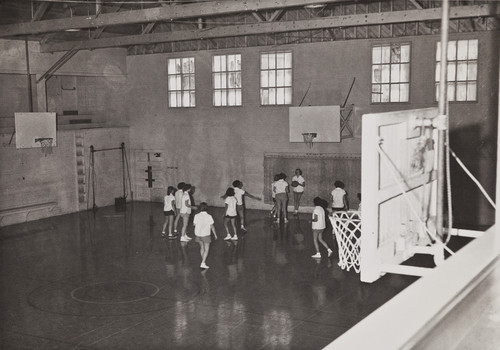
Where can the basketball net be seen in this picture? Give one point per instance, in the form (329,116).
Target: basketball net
(347,229)
(308,138)
(45,144)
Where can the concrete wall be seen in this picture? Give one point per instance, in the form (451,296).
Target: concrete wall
(211,146)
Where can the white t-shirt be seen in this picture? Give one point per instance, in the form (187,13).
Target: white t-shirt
(168,202)
(320,224)
(184,209)
(280,186)
(338,197)
(178,198)
(202,223)
(238,194)
(301,181)
(231,206)
(273,192)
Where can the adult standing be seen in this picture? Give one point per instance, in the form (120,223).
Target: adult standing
(298,184)
(281,189)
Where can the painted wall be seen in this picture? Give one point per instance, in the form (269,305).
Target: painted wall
(211,146)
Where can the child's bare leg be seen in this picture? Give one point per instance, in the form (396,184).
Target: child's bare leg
(320,239)
(315,240)
(204,255)
(226,226)
(170,225)
(164,225)
(176,222)
(233,223)
(185,219)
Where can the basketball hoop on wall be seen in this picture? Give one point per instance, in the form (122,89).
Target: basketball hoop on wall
(309,138)
(45,144)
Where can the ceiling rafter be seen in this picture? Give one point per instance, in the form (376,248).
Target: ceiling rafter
(160,13)
(278,27)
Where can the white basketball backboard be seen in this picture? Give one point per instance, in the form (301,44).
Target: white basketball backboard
(34,126)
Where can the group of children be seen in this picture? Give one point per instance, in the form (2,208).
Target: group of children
(177,205)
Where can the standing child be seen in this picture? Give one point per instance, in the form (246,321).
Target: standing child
(318,226)
(339,197)
(239,193)
(169,211)
(203,225)
(178,203)
(230,213)
(298,189)
(186,211)
(281,189)
(273,194)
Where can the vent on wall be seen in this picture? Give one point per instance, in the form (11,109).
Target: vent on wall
(80,121)
(70,112)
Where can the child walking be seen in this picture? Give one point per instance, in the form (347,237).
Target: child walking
(318,226)
(298,190)
(203,225)
(185,211)
(178,203)
(273,195)
(239,193)
(230,213)
(169,211)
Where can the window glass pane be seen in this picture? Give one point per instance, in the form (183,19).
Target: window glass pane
(288,77)
(223,80)
(172,100)
(377,55)
(405,53)
(280,60)
(185,82)
(192,94)
(231,63)
(288,96)
(288,60)
(395,54)
(472,71)
(216,64)
(217,80)
(385,93)
(272,96)
(405,73)
(171,66)
(171,82)
(438,51)
(471,91)
(185,98)
(395,73)
(264,61)
(264,96)
(386,54)
(272,78)
(376,74)
(462,50)
(395,93)
(231,97)
(264,81)
(280,78)
(452,50)
(191,82)
(376,93)
(385,73)
(473,44)
(217,98)
(404,92)
(438,71)
(272,61)
(461,71)
(461,92)
(178,66)
(437,92)
(452,69)
(280,96)
(223,101)
(178,82)
(451,92)
(238,97)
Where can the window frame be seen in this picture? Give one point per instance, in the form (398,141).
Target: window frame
(437,61)
(227,88)
(180,92)
(290,87)
(390,72)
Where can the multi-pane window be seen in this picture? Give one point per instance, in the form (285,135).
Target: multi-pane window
(462,70)
(391,73)
(226,76)
(276,78)
(181,92)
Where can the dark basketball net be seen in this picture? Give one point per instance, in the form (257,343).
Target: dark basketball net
(309,138)
(46,144)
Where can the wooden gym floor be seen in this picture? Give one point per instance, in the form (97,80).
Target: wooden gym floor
(108,281)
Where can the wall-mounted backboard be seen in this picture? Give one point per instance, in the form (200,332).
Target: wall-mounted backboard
(322,120)
(34,126)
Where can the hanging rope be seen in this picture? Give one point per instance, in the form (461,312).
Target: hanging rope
(394,172)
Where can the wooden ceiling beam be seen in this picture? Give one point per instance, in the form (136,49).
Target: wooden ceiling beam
(277,27)
(155,14)
(40,11)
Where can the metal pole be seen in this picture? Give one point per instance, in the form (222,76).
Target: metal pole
(442,112)
(94,206)
(123,167)
(30,92)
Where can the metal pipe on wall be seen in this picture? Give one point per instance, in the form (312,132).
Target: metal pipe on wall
(30,91)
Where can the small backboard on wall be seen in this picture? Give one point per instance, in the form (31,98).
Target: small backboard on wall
(322,120)
(33,127)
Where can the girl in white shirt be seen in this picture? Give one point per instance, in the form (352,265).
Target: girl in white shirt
(185,211)
(280,187)
(297,190)
(318,226)
(169,211)
(230,213)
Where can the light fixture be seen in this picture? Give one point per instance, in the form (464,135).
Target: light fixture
(314,6)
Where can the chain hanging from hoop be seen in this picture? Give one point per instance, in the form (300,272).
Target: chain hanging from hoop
(45,144)
(309,138)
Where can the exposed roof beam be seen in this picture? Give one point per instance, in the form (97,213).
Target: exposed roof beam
(40,11)
(417,4)
(277,27)
(160,13)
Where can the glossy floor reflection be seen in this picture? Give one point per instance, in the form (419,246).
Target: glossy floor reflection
(108,281)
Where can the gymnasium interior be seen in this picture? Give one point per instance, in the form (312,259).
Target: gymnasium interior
(104,104)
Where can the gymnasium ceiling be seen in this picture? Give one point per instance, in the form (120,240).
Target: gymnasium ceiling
(154,26)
